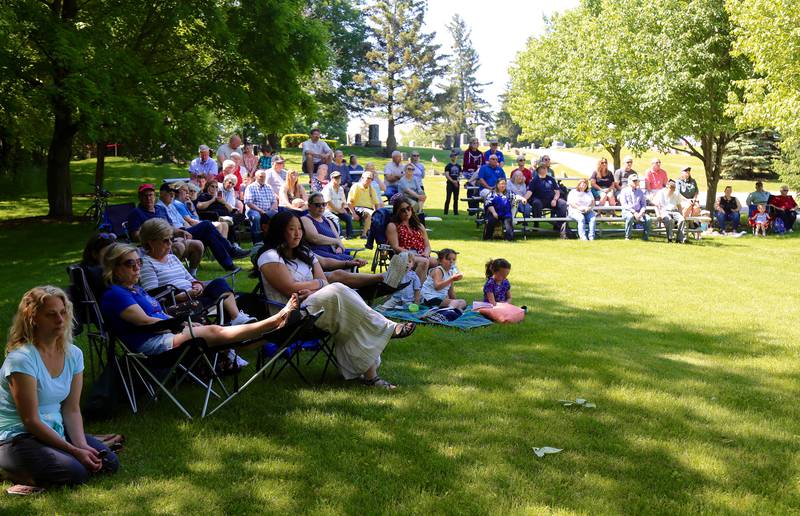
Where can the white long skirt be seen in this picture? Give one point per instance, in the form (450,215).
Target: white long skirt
(359,332)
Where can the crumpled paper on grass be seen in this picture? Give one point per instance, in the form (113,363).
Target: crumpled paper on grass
(545,450)
(578,401)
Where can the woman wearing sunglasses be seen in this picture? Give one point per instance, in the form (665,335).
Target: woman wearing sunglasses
(320,232)
(160,268)
(405,233)
(126,305)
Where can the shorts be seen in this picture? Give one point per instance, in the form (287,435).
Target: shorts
(433,302)
(156,344)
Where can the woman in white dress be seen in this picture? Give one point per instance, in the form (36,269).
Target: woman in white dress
(359,333)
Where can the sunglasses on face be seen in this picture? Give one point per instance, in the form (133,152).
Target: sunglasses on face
(318,204)
(131,263)
(165,241)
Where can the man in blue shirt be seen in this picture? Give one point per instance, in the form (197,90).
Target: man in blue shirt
(204,230)
(634,204)
(183,245)
(494,151)
(203,165)
(488,176)
(544,192)
(341,166)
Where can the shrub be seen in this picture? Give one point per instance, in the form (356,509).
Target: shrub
(292,141)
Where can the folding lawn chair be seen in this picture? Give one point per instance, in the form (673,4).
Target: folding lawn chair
(115,219)
(377,238)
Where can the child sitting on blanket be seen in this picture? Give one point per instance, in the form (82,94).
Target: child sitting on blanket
(438,290)
(497,289)
(410,294)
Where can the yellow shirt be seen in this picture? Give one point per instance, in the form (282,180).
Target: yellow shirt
(364,197)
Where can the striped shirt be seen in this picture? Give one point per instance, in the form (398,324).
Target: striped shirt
(262,196)
(155,273)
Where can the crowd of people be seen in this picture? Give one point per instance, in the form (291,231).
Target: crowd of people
(302,262)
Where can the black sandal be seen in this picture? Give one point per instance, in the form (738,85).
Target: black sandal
(401,331)
(379,382)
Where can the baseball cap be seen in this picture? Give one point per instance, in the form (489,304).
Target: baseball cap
(203,148)
(633,177)
(336,173)
(686,169)
(455,152)
(146,186)
(493,141)
(166,187)
(279,159)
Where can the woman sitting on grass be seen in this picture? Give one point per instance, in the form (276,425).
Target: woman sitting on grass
(160,268)
(126,305)
(42,440)
(289,269)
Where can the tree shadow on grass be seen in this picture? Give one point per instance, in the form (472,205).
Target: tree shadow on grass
(677,429)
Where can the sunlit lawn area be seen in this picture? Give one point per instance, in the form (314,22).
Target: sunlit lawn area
(690,353)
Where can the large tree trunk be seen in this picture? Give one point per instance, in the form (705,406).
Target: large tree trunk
(615,151)
(100,165)
(713,151)
(273,141)
(59,186)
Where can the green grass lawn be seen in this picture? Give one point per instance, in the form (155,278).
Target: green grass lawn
(690,353)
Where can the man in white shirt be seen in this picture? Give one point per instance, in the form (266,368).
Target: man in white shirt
(668,211)
(226,149)
(315,152)
(337,202)
(392,173)
(276,176)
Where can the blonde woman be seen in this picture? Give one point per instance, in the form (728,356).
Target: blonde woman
(580,207)
(42,441)
(292,194)
(603,185)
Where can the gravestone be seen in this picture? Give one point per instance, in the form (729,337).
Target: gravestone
(448,142)
(357,141)
(374,136)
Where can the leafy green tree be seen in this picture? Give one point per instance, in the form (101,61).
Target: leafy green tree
(403,63)
(766,33)
(144,72)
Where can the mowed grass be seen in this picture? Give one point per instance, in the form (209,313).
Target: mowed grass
(689,352)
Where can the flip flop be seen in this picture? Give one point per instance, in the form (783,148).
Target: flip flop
(21,490)
(401,331)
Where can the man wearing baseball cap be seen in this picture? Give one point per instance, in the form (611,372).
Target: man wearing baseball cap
(184,246)
(634,204)
(203,165)
(494,150)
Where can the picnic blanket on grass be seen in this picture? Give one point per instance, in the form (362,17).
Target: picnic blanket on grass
(467,321)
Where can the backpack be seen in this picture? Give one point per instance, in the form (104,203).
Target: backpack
(442,315)
(778,226)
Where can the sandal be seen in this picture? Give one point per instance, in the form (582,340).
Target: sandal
(401,331)
(22,490)
(379,382)
(111,440)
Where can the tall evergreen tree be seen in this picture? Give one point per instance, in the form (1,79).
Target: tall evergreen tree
(403,63)
(751,155)
(468,106)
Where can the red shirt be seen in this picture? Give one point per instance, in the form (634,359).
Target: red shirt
(525,172)
(784,202)
(408,238)
(237,173)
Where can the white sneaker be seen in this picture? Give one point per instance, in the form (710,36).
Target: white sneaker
(242,318)
(397,270)
(392,303)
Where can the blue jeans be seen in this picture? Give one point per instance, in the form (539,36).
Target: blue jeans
(27,460)
(348,223)
(586,221)
(255,224)
(630,220)
(220,247)
(732,217)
